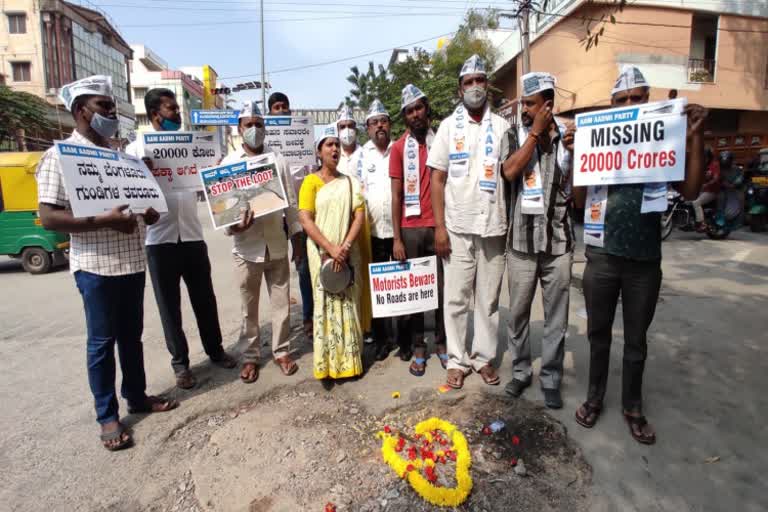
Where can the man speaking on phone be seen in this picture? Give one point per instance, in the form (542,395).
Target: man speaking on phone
(540,236)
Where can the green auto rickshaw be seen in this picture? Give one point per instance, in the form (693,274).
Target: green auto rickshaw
(21,232)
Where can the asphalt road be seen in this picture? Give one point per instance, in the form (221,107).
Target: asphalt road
(704,390)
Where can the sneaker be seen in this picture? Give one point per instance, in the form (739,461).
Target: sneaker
(552,398)
(516,387)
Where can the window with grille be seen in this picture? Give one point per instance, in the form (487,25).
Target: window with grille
(21,71)
(17,23)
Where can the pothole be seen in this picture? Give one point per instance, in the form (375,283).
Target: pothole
(300,449)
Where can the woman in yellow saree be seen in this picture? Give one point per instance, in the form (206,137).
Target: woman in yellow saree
(331,213)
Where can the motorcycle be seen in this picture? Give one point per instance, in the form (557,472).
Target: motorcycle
(718,222)
(757,194)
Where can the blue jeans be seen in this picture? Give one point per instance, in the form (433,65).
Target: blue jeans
(114,312)
(305,286)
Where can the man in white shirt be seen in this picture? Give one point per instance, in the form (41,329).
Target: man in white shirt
(261,249)
(106,258)
(377,189)
(175,251)
(350,149)
(470,223)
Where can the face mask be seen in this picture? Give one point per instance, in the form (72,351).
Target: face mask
(168,125)
(104,126)
(254,137)
(348,136)
(475,97)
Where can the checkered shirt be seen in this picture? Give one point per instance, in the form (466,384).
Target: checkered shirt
(105,252)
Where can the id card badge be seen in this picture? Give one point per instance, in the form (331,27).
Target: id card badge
(488,181)
(594,216)
(533,193)
(458,165)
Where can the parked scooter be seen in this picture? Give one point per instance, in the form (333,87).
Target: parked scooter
(757,194)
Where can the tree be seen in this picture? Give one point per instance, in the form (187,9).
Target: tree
(435,74)
(20,112)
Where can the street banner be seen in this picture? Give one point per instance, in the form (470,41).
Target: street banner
(177,156)
(99,179)
(403,288)
(638,144)
(214,117)
(294,138)
(250,183)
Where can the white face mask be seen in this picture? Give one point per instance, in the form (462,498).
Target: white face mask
(475,97)
(348,136)
(254,137)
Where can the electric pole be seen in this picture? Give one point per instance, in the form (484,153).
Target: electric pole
(524,22)
(263,70)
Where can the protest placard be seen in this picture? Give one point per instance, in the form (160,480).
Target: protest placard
(403,288)
(638,144)
(99,179)
(250,183)
(294,138)
(177,157)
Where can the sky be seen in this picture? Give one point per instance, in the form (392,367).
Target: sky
(225,34)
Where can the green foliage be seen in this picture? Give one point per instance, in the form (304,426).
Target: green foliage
(21,110)
(595,27)
(437,75)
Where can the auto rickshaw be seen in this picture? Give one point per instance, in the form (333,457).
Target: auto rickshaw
(21,232)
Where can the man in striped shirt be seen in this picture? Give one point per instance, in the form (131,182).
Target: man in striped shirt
(540,235)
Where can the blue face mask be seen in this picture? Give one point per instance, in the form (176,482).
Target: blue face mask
(168,125)
(104,126)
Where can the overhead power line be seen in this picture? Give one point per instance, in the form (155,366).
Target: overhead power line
(240,22)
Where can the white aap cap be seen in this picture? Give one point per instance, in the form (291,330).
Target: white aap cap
(345,114)
(473,66)
(250,109)
(411,94)
(629,78)
(376,109)
(99,85)
(537,82)
(328,131)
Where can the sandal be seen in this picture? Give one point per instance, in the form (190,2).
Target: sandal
(592,411)
(153,404)
(225,361)
(637,429)
(249,373)
(185,380)
(442,354)
(455,378)
(107,439)
(287,365)
(419,364)
(308,329)
(489,375)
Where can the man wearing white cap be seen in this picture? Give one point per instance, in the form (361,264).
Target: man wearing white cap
(350,149)
(261,250)
(470,223)
(373,171)
(540,238)
(628,264)
(107,259)
(175,251)
(414,221)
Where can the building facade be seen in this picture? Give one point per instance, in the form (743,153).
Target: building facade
(715,53)
(149,71)
(45,44)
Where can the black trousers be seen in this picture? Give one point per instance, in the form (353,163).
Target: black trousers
(168,264)
(420,242)
(639,283)
(383,329)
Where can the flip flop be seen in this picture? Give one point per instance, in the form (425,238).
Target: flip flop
(489,375)
(254,378)
(592,411)
(455,378)
(443,356)
(636,424)
(147,406)
(418,361)
(116,435)
(287,365)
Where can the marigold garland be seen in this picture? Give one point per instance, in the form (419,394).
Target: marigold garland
(440,496)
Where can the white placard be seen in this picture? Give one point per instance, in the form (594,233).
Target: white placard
(403,288)
(637,144)
(99,179)
(250,183)
(294,138)
(177,157)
